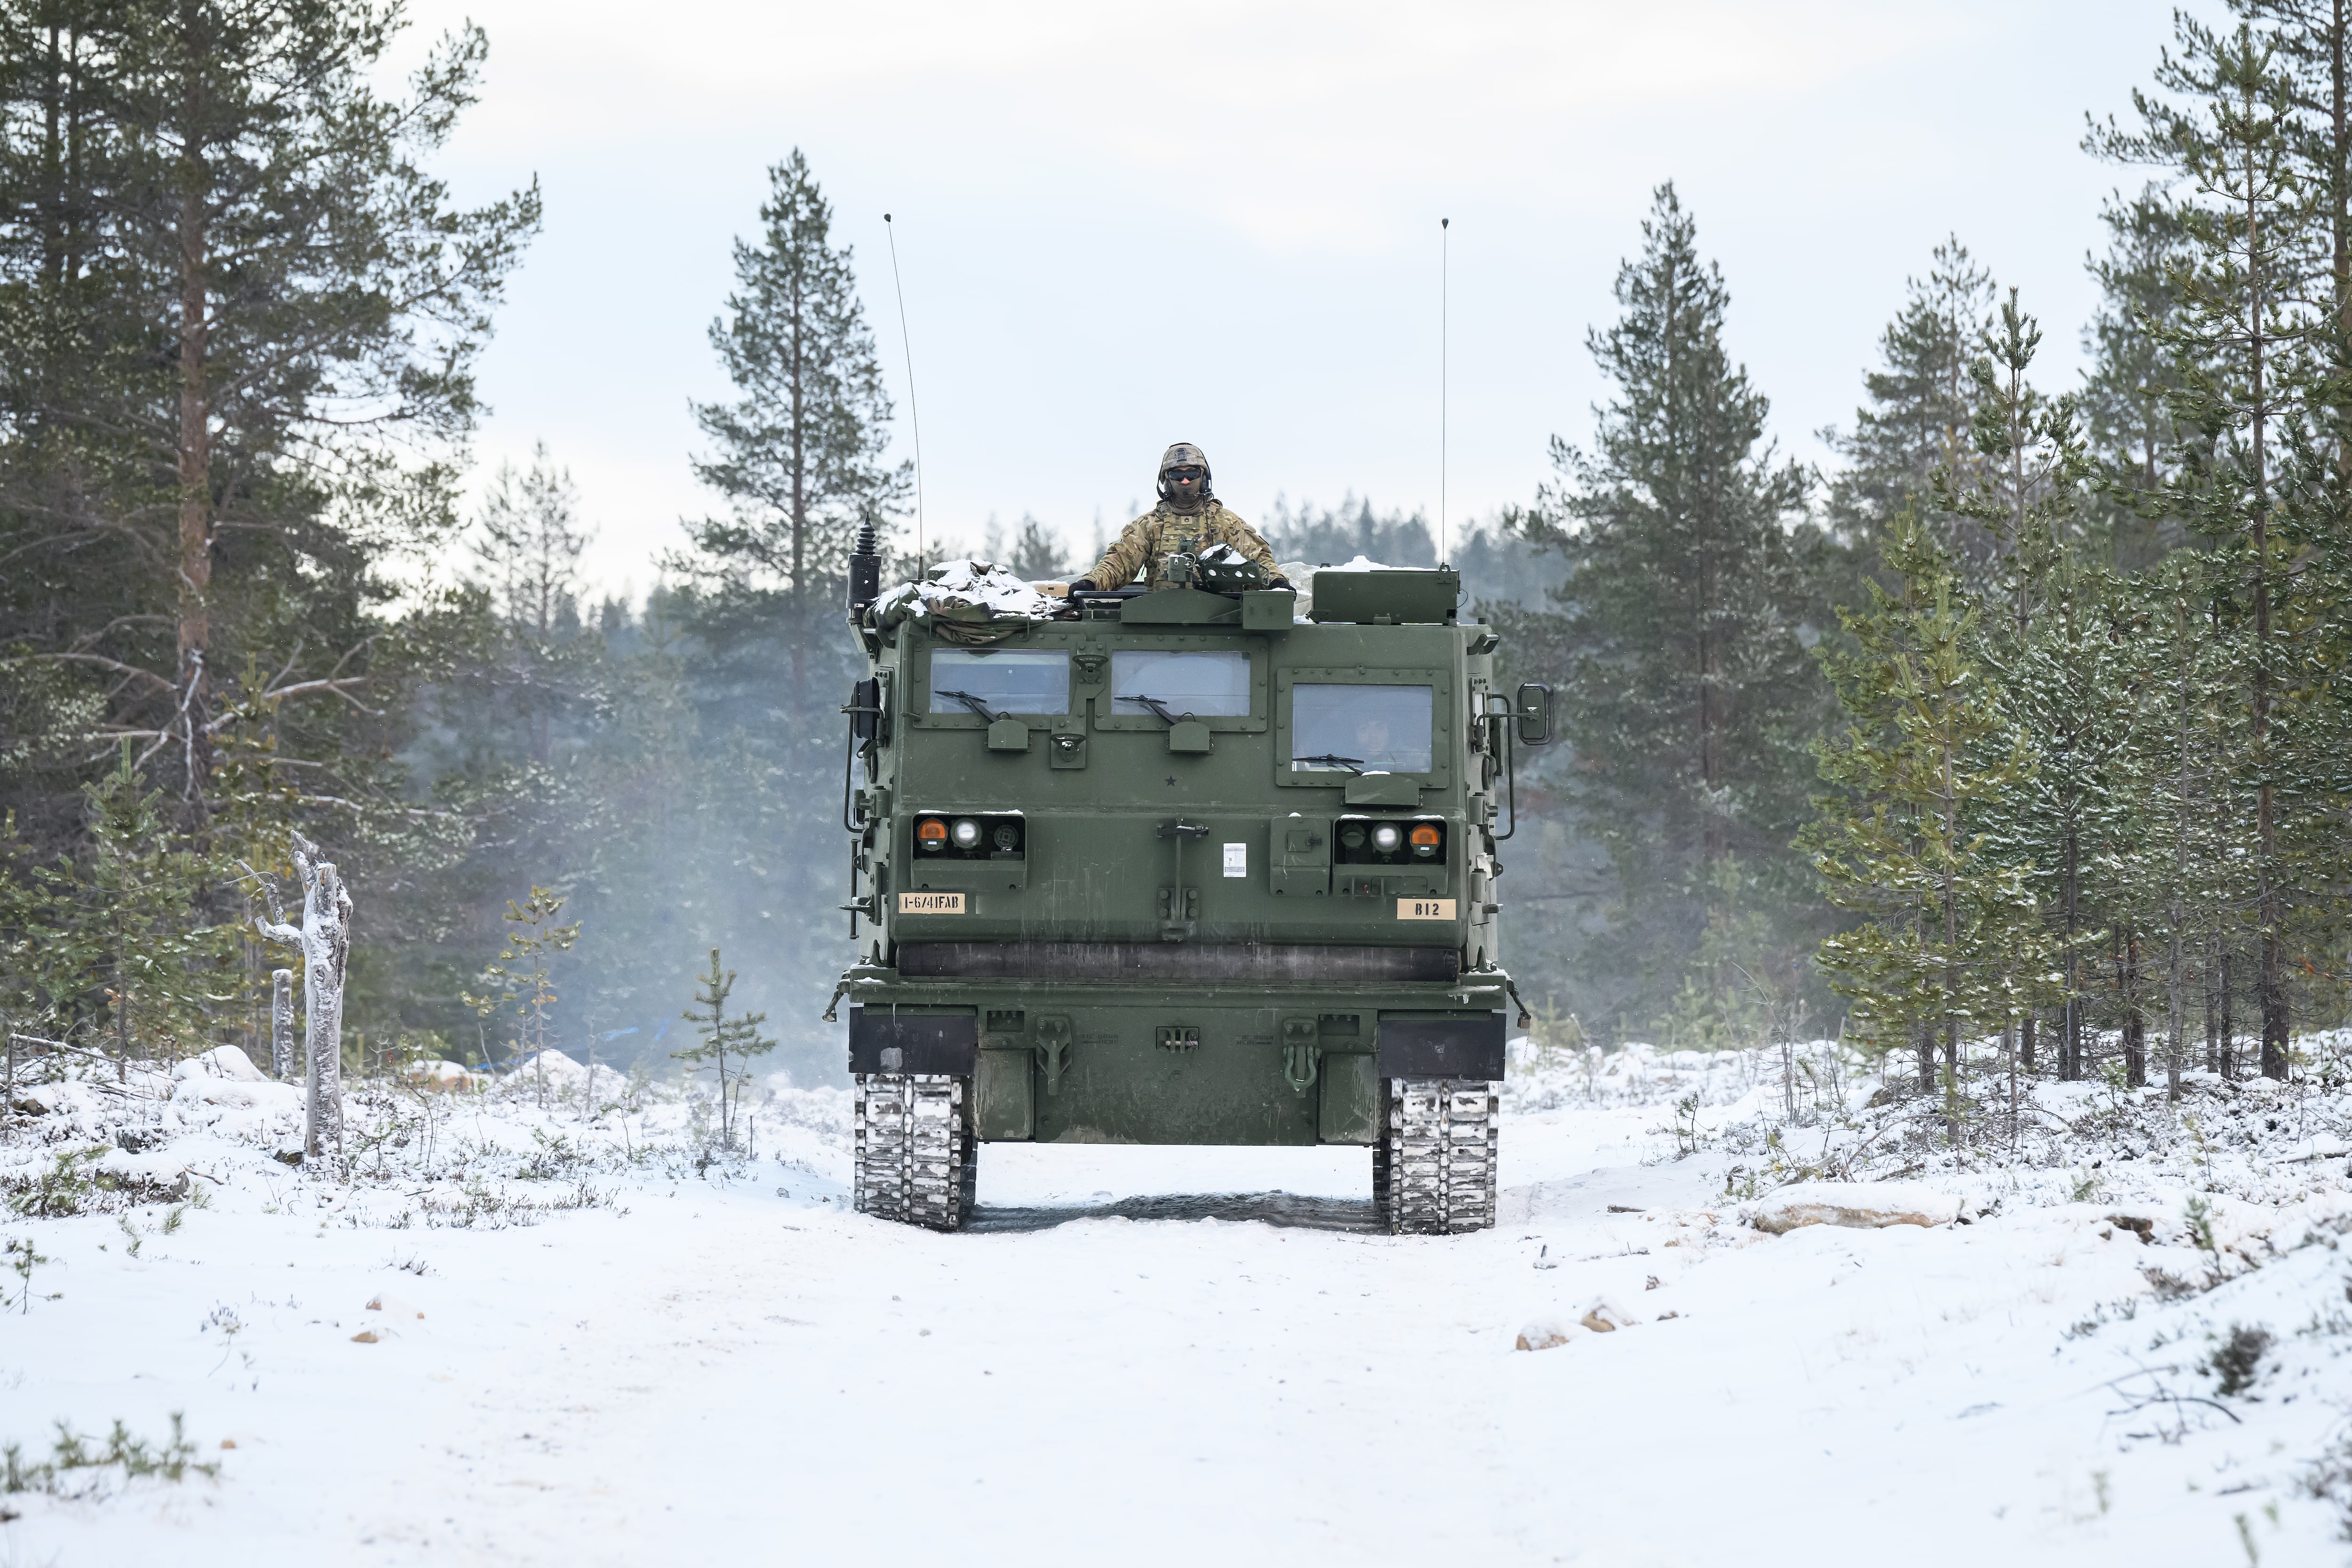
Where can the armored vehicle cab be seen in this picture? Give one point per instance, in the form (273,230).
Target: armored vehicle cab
(1178,866)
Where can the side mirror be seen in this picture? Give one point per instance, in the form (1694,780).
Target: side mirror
(1534,710)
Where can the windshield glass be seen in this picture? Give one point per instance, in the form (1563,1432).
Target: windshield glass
(1010,680)
(1205,684)
(1375,729)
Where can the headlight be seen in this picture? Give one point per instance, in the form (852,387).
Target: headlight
(931,833)
(966,832)
(1385,837)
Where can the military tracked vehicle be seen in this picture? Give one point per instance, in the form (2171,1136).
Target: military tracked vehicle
(1179,866)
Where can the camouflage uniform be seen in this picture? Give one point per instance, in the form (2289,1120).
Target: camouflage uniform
(1150,540)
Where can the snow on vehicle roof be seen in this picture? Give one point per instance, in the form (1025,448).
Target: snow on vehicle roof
(964,585)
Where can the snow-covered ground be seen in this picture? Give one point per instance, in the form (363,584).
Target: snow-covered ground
(593,1345)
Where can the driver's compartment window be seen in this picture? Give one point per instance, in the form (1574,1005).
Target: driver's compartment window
(1003,680)
(1361,729)
(1182,684)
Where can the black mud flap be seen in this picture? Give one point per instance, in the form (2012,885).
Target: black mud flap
(1443,1048)
(914,1042)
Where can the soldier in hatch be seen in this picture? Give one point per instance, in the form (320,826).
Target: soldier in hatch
(1187,519)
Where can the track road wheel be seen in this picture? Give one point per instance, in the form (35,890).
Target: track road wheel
(1434,1168)
(916,1157)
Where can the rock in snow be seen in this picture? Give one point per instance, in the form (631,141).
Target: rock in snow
(1605,1316)
(1862,1205)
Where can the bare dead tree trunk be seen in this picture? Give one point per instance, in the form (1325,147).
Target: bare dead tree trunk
(2069,1035)
(2229,1020)
(2135,1032)
(2212,1019)
(281,1024)
(2176,913)
(2339,200)
(2176,987)
(193,333)
(2270,976)
(325,939)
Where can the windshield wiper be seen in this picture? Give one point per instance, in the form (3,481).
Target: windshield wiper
(1353,765)
(1156,706)
(974,704)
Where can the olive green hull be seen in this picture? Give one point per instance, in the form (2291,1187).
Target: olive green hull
(1123,1064)
(1122,922)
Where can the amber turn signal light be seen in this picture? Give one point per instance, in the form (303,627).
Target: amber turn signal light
(931,833)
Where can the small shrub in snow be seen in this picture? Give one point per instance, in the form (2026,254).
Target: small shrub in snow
(22,1260)
(74,1183)
(79,1467)
(2237,1361)
(2330,1480)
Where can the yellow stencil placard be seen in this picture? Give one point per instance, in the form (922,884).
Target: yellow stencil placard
(1424,909)
(937,903)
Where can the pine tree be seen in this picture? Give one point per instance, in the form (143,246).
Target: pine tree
(2127,420)
(1036,554)
(798,456)
(529,542)
(723,1038)
(2067,695)
(241,348)
(1950,945)
(119,935)
(2310,44)
(2029,464)
(2188,766)
(1679,635)
(1922,405)
(521,977)
(2028,498)
(2234,343)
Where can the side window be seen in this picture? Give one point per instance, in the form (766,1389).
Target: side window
(1005,680)
(1204,685)
(1361,729)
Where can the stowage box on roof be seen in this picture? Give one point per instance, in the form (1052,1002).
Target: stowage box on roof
(1389,597)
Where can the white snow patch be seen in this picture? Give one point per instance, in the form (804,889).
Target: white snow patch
(221,1061)
(1126,1328)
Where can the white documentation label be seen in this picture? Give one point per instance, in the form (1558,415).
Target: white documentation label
(1236,859)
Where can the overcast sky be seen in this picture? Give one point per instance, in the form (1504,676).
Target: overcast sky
(1121,227)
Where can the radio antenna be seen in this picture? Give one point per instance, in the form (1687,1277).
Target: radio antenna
(1445,257)
(914,413)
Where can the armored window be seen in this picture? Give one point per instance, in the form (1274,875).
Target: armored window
(1360,729)
(1003,680)
(1204,685)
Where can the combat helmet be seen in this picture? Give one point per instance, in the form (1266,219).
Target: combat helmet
(1179,455)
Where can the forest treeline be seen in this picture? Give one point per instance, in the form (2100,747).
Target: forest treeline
(2026,723)
(2022,721)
